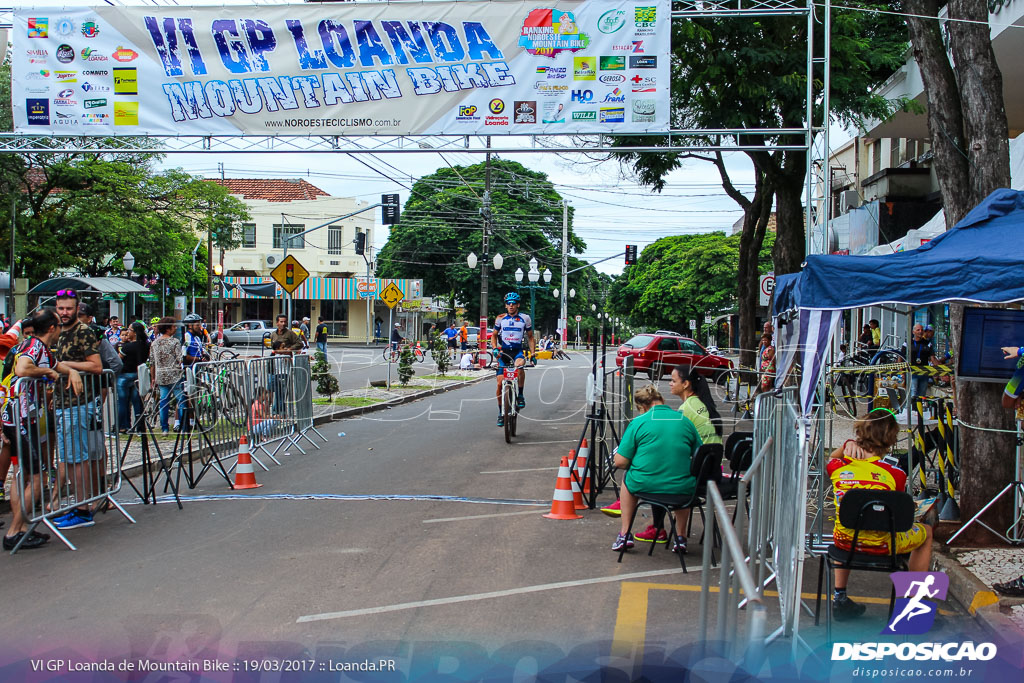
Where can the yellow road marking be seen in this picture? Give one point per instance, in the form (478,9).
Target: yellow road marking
(631,617)
(981,599)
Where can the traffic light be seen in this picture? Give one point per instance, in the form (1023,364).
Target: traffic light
(630,254)
(360,243)
(389,209)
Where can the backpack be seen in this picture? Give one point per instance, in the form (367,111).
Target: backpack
(108,356)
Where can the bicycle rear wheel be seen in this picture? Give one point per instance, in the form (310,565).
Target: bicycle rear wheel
(417,352)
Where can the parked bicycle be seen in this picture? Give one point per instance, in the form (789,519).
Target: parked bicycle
(392,354)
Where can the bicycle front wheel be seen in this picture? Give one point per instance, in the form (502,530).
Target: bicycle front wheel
(417,352)
(507,400)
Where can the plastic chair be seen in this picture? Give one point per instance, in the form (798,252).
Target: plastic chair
(866,510)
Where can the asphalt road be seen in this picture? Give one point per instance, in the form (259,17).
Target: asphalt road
(417,536)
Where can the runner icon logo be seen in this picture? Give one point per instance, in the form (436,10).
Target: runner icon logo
(915,609)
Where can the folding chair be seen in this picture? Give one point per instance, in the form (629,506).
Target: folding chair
(739,451)
(866,510)
(705,465)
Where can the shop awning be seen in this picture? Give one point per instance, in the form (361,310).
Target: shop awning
(90,285)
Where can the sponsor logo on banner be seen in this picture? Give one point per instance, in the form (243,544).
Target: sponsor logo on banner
(95,119)
(467,113)
(65,54)
(547,32)
(126,81)
(611,21)
(66,92)
(638,46)
(40,75)
(613,115)
(613,63)
(126,113)
(62,118)
(583,96)
(496,121)
(93,104)
(552,72)
(64,102)
(584,116)
(496,106)
(90,54)
(643,110)
(64,26)
(36,56)
(38,27)
(90,29)
(645,18)
(96,72)
(554,112)
(643,83)
(612,79)
(617,96)
(647,62)
(583,69)
(66,76)
(550,89)
(124,54)
(92,87)
(525,111)
(36,90)
(38,111)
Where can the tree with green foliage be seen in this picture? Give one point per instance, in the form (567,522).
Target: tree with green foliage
(80,212)
(442,223)
(326,382)
(439,352)
(750,73)
(405,368)
(682,278)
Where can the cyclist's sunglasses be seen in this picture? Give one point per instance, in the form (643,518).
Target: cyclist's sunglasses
(67,294)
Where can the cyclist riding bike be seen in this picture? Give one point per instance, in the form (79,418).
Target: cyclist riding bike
(509,331)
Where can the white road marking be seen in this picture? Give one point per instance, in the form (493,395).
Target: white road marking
(541,443)
(531,469)
(326,616)
(540,509)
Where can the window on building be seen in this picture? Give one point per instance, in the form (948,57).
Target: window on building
(334,237)
(894,153)
(289,229)
(248,235)
(876,156)
(911,149)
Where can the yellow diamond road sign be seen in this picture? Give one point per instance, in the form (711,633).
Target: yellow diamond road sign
(392,295)
(289,274)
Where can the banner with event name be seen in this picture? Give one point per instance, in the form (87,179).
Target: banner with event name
(587,66)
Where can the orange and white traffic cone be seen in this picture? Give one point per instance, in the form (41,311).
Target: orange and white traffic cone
(245,475)
(581,467)
(562,506)
(574,479)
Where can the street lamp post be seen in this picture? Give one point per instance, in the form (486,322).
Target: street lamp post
(129,265)
(534,276)
(472,261)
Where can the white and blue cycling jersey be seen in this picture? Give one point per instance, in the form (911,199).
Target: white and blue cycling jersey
(194,345)
(511,331)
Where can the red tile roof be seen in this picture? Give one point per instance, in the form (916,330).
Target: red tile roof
(272,189)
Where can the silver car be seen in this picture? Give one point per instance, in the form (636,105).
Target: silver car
(247,332)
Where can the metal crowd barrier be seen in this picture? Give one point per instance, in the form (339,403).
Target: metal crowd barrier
(737,588)
(67,448)
(271,383)
(302,387)
(218,395)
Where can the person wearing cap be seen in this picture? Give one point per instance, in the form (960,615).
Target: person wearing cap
(396,336)
(304,327)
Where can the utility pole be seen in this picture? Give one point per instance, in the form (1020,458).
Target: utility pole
(487,255)
(563,323)
(209,267)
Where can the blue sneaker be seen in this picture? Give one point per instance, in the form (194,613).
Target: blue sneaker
(75,519)
(57,521)
(520,402)
(501,420)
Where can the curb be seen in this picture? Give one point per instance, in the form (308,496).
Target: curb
(982,603)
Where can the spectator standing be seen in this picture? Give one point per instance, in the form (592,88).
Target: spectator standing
(195,340)
(876,334)
(283,342)
(113,331)
(450,334)
(304,327)
(34,360)
(165,370)
(77,347)
(321,336)
(133,354)
(920,356)
(1012,401)
(463,336)
(377,323)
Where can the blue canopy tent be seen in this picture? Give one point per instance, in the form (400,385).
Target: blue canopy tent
(981,260)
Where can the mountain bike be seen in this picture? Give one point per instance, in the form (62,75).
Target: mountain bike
(509,390)
(392,354)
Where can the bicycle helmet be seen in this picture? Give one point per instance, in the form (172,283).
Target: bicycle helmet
(192,318)
(512,298)
(154,320)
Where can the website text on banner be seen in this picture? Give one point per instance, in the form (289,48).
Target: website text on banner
(590,66)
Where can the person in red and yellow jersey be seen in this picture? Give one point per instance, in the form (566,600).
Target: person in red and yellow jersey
(862,463)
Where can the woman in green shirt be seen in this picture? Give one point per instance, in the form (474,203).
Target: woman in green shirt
(655,450)
(698,404)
